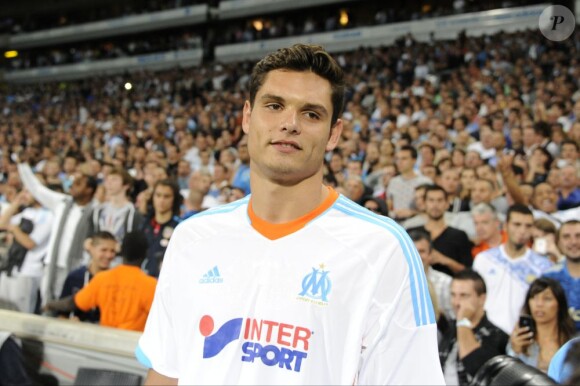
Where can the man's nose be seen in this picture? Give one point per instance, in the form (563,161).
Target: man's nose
(290,121)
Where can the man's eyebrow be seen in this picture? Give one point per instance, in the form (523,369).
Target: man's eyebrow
(272,97)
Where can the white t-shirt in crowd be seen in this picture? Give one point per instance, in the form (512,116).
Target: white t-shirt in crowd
(507,281)
(41,219)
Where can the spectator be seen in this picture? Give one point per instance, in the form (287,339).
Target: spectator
(509,268)
(241,176)
(102,247)
(30,230)
(375,204)
(355,188)
(123,294)
(160,223)
(490,233)
(441,282)
(472,340)
(117,215)
(449,181)
(451,246)
(401,188)
(71,213)
(484,191)
(567,273)
(546,303)
(569,192)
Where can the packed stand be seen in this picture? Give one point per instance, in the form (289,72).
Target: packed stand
(471,145)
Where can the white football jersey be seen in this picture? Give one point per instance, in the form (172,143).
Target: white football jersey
(507,281)
(336,297)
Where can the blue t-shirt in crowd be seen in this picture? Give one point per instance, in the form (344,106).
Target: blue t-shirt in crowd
(571,286)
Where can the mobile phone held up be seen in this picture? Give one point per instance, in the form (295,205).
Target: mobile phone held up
(528,321)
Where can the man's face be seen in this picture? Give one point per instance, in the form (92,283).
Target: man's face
(114,184)
(463,292)
(545,198)
(79,188)
(103,252)
(435,204)
(424,250)
(289,126)
(481,192)
(519,229)
(450,181)
(569,153)
(404,161)
(485,226)
(569,242)
(183,169)
(163,199)
(568,178)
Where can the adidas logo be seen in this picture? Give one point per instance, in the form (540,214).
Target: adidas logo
(212,277)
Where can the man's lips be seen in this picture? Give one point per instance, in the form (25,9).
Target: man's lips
(290,144)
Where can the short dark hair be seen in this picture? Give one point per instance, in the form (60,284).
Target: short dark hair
(567,223)
(411,149)
(569,142)
(134,247)
(518,208)
(434,188)
(420,234)
(102,235)
(303,57)
(478,282)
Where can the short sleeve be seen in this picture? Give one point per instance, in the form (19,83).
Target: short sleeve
(86,298)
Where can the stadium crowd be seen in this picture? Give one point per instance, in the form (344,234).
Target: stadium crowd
(471,145)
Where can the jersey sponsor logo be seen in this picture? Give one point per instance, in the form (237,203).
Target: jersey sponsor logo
(316,287)
(212,277)
(273,343)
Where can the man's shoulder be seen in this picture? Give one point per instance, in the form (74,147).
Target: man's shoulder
(228,215)
(78,272)
(557,271)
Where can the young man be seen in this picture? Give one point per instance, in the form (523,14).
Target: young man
(30,230)
(123,294)
(441,282)
(71,213)
(117,215)
(473,339)
(102,247)
(401,188)
(509,269)
(568,271)
(293,284)
(451,246)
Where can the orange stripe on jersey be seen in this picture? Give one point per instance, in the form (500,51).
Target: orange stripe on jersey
(276,231)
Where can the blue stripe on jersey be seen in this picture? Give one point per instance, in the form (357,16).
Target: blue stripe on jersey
(142,358)
(425,314)
(222,208)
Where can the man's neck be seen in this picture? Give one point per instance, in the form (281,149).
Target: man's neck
(277,204)
(573,268)
(494,240)
(93,269)
(477,317)
(409,174)
(565,192)
(514,252)
(164,217)
(82,201)
(118,200)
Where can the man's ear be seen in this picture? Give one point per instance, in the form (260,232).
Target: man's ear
(87,244)
(335,134)
(246,115)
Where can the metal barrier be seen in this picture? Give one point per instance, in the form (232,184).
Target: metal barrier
(67,345)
